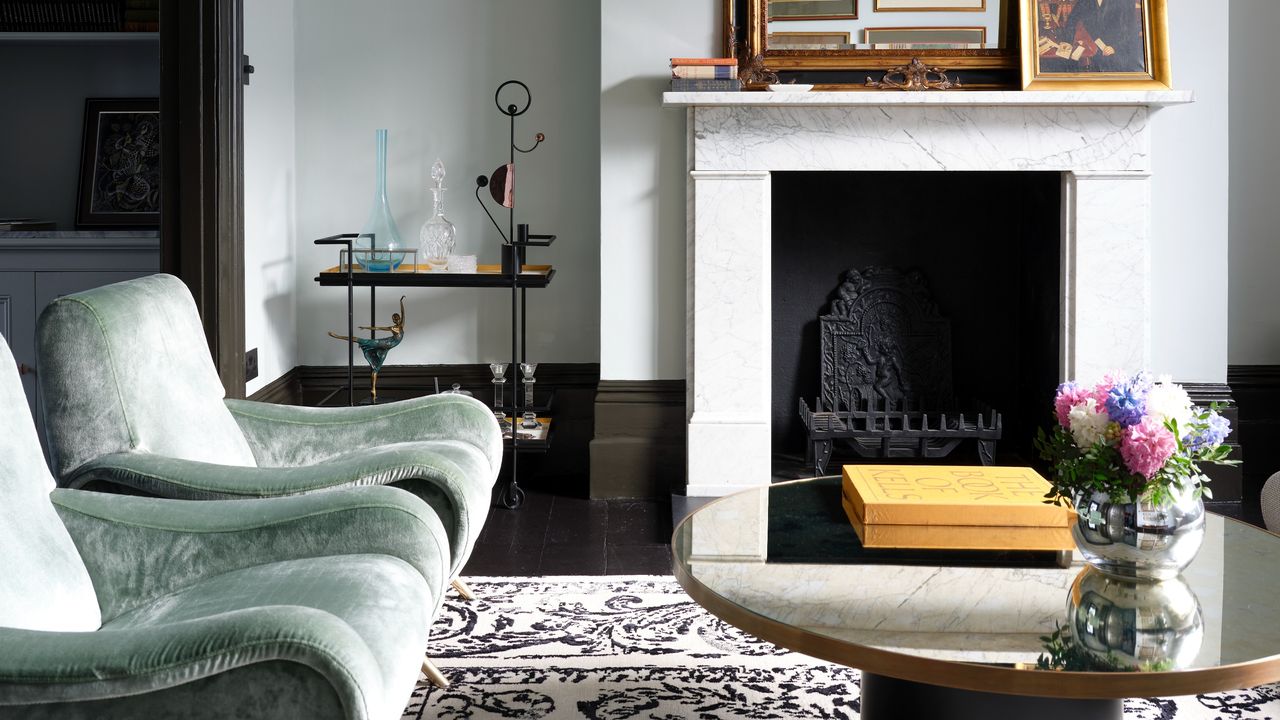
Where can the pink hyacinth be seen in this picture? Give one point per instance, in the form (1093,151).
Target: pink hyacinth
(1069,395)
(1146,447)
(1102,390)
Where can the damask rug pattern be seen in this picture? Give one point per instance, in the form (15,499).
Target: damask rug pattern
(611,648)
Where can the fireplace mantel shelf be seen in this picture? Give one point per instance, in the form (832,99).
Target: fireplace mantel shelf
(974,98)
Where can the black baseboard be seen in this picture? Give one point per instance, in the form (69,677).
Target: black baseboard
(284,390)
(639,445)
(563,469)
(1257,392)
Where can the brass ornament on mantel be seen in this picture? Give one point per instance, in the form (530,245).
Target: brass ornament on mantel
(915,77)
(751,69)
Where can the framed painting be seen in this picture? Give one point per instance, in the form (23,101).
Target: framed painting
(930,5)
(120,163)
(813,9)
(1095,45)
(810,40)
(936,38)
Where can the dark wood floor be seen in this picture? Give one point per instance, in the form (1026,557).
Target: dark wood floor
(553,535)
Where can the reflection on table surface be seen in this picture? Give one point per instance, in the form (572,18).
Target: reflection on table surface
(788,553)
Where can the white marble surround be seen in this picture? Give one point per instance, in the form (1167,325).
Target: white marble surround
(1099,141)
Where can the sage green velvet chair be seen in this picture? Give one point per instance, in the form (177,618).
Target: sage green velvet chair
(116,606)
(132,403)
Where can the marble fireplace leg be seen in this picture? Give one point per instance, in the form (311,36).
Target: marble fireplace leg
(729,361)
(1106,266)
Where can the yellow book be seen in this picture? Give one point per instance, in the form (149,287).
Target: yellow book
(946,495)
(958,537)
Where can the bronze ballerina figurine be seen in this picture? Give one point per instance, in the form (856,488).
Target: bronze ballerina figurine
(375,349)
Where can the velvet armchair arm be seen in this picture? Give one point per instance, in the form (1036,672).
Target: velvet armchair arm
(441,473)
(158,671)
(289,436)
(137,549)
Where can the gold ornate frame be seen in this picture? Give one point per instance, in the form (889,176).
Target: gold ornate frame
(755,52)
(1155,28)
(929,9)
(866,31)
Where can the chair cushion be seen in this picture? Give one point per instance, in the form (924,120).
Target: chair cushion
(126,367)
(43,582)
(383,599)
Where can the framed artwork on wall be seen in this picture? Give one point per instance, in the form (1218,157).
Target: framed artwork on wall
(810,40)
(813,9)
(936,38)
(930,5)
(1095,45)
(120,163)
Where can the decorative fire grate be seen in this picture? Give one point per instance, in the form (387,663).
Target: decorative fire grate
(886,376)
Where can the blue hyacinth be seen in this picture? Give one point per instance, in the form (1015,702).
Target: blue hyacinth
(1214,432)
(1127,400)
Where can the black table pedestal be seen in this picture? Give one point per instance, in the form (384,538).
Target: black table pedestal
(886,698)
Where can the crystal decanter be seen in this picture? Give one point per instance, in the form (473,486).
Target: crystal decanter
(438,234)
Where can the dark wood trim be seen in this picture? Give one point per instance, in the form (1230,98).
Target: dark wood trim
(401,381)
(202,193)
(1257,392)
(1251,377)
(640,442)
(284,390)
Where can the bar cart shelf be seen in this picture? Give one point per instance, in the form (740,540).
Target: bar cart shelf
(350,276)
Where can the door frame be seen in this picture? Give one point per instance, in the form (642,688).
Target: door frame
(202,169)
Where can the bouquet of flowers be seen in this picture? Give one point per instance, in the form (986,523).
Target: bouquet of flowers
(1131,437)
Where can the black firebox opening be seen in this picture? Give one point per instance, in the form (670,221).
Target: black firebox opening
(989,247)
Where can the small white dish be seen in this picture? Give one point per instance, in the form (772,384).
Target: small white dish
(790,88)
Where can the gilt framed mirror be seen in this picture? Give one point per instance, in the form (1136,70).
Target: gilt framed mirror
(841,44)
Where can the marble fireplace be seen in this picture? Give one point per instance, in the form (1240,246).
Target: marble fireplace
(1100,143)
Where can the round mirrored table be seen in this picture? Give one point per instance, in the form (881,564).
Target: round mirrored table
(981,635)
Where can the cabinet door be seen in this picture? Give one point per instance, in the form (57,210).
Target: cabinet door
(18,326)
(50,286)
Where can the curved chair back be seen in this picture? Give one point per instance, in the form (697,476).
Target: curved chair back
(126,367)
(43,582)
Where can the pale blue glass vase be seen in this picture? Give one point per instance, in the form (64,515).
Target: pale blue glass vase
(380,237)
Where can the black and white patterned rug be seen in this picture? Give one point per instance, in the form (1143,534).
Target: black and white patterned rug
(611,648)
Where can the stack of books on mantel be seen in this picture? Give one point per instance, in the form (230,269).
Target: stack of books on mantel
(922,507)
(704,75)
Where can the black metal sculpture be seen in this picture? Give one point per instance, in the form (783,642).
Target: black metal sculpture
(516,239)
(886,375)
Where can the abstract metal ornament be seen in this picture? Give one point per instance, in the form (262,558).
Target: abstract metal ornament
(915,77)
(502,185)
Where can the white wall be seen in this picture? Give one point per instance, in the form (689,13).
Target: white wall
(642,173)
(1255,174)
(270,182)
(642,148)
(427,72)
(1189,202)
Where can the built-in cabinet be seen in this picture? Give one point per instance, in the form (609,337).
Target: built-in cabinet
(38,267)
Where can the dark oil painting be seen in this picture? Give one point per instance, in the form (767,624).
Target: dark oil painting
(120,171)
(1091,36)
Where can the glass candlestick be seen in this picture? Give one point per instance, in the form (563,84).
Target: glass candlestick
(527,370)
(499,371)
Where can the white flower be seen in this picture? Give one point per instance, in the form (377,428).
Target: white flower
(1167,401)
(1088,425)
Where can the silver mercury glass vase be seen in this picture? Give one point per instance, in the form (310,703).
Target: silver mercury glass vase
(1142,540)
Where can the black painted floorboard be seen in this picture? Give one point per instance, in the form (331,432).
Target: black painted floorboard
(553,535)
